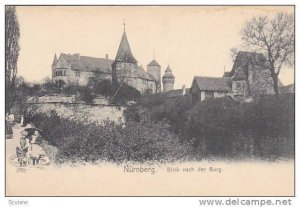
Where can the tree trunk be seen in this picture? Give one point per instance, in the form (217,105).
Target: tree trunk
(275,80)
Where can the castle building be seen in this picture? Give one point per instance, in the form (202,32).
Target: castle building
(154,69)
(209,87)
(168,80)
(124,69)
(76,69)
(250,76)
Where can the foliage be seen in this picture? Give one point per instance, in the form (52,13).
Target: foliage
(136,141)
(12,48)
(124,94)
(171,110)
(100,85)
(225,128)
(86,94)
(176,129)
(264,128)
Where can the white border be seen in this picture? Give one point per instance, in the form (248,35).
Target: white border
(125,201)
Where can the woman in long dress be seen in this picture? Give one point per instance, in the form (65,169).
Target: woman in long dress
(8,126)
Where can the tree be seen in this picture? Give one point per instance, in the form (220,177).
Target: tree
(275,38)
(12,48)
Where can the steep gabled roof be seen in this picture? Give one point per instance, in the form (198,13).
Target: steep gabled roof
(54,60)
(153,63)
(212,84)
(244,58)
(85,63)
(124,53)
(227,74)
(239,75)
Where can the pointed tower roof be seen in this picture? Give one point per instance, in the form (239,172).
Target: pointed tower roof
(153,63)
(168,73)
(124,53)
(54,60)
(168,69)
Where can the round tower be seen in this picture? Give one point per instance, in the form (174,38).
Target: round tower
(154,69)
(168,80)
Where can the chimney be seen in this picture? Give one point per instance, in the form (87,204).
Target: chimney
(106,56)
(183,89)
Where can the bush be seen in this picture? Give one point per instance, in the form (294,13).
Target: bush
(264,128)
(86,94)
(160,108)
(124,94)
(175,129)
(101,86)
(224,128)
(136,141)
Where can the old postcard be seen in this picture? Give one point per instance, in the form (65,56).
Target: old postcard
(149,100)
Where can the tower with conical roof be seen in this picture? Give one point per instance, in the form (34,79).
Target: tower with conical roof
(54,62)
(154,69)
(168,80)
(124,63)
(53,66)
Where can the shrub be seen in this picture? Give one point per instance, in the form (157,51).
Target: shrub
(160,108)
(86,94)
(136,141)
(225,128)
(124,94)
(101,87)
(264,128)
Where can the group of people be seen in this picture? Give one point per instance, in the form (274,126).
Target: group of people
(31,149)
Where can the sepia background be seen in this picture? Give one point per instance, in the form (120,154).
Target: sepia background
(194,41)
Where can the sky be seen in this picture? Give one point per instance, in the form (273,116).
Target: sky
(193,40)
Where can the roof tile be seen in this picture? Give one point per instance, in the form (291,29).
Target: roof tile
(212,84)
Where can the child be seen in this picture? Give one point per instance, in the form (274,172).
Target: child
(35,150)
(23,149)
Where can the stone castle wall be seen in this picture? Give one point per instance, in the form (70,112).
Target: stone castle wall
(64,99)
(67,107)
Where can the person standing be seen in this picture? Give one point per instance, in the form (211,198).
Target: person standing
(35,150)
(22,121)
(8,126)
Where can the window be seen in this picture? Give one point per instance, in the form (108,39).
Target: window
(77,74)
